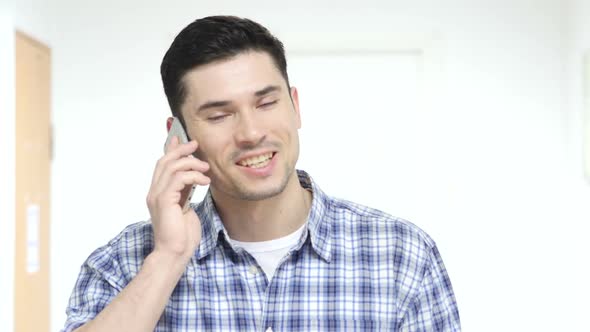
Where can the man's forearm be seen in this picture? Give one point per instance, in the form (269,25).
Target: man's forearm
(139,306)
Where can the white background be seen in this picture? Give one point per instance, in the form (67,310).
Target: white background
(488,162)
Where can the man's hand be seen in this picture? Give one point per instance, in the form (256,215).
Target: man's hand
(176,234)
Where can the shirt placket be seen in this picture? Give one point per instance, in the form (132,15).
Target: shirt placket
(256,282)
(273,292)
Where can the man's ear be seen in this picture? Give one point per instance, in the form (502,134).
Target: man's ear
(169,123)
(295,99)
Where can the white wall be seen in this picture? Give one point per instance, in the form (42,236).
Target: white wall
(578,38)
(505,138)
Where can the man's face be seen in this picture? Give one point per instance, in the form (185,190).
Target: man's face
(246,122)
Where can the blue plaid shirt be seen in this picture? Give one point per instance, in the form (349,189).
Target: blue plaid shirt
(353,269)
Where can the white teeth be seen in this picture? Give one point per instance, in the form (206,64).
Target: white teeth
(260,165)
(257,161)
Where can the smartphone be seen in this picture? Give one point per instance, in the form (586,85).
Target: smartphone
(177,130)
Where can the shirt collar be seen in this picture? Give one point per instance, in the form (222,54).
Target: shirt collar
(318,225)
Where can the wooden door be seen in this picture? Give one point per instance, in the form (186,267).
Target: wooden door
(33,156)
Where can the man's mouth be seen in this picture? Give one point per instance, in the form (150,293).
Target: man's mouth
(257,161)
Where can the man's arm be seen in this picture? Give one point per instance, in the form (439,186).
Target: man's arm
(139,306)
(434,308)
(177,234)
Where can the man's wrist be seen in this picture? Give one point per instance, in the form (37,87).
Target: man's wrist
(160,259)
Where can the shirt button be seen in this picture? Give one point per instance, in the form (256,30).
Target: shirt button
(253,270)
(269,329)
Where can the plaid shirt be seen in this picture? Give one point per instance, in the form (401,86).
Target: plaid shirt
(354,268)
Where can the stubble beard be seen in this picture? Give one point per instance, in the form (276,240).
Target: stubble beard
(242,192)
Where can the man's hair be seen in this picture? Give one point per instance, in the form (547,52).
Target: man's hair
(211,39)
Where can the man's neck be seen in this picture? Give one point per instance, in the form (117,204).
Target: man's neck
(268,219)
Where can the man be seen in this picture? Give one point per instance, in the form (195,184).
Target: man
(266,249)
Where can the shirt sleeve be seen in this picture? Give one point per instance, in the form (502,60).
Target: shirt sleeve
(96,287)
(434,308)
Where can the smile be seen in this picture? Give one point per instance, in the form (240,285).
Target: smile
(257,161)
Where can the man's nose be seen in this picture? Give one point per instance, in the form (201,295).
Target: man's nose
(248,131)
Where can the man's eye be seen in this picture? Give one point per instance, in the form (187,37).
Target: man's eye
(265,105)
(217,118)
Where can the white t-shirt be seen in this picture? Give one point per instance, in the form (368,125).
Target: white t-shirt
(268,254)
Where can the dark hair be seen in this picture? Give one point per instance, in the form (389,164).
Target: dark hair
(212,39)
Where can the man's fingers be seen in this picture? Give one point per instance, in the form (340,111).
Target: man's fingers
(181,150)
(174,151)
(172,144)
(186,164)
(181,180)
(171,192)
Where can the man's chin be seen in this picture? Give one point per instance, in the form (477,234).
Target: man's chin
(261,190)
(247,189)
(258,194)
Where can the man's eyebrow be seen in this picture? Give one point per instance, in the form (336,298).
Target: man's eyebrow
(267,90)
(213,104)
(222,103)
